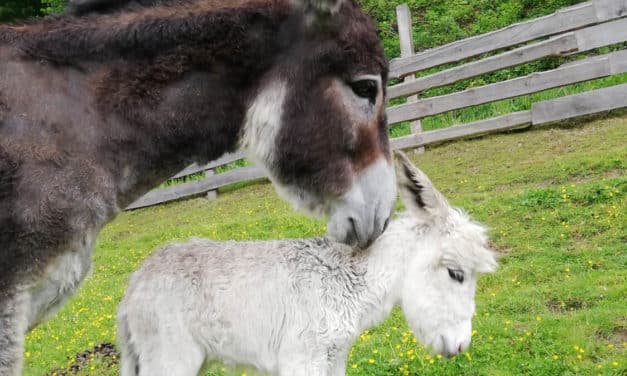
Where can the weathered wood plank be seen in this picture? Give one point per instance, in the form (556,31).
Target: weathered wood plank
(225,159)
(587,103)
(563,20)
(610,9)
(587,69)
(197,187)
(552,47)
(509,121)
(618,62)
(602,35)
(406,37)
(405,34)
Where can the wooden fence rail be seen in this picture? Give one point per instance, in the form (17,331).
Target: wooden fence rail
(585,70)
(580,28)
(563,20)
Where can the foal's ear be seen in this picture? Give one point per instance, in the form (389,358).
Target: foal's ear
(417,191)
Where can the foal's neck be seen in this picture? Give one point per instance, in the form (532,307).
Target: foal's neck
(386,268)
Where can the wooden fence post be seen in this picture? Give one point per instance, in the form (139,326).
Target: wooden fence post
(213,194)
(406,36)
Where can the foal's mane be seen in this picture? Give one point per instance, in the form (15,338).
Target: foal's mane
(145,31)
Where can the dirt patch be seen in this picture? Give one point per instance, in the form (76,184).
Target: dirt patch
(101,352)
(499,249)
(619,332)
(609,174)
(565,306)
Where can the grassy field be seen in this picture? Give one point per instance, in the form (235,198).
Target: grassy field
(554,198)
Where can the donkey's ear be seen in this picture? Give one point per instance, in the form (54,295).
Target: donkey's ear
(320,15)
(319,6)
(417,191)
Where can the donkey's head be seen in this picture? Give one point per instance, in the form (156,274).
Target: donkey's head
(317,121)
(449,252)
(301,82)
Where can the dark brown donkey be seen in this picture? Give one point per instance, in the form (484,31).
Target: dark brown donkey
(98,109)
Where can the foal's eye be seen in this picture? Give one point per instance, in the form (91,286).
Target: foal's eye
(456,274)
(366,89)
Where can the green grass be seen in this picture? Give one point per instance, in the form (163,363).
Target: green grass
(553,197)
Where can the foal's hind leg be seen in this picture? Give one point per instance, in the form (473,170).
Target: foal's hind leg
(154,347)
(171,359)
(13,327)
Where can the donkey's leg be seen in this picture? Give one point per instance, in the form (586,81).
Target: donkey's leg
(61,280)
(13,327)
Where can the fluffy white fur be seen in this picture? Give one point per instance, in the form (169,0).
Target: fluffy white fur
(294,307)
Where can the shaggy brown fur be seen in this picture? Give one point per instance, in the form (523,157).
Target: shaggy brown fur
(97,110)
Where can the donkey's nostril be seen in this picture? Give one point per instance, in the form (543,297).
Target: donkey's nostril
(353,236)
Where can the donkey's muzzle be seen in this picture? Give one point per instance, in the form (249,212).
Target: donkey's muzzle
(362,214)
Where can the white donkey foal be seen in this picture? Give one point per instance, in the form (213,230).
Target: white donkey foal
(294,307)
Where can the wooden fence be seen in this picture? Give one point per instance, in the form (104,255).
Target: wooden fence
(580,28)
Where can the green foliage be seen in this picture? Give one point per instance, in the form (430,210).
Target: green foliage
(443,21)
(11,10)
(52,6)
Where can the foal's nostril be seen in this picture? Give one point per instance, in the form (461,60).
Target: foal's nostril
(459,348)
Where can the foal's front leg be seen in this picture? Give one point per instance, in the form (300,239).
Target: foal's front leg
(304,363)
(338,366)
(13,327)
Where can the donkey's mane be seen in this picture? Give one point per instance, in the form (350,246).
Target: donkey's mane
(143,32)
(82,7)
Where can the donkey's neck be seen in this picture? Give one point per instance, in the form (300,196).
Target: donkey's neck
(386,267)
(185,104)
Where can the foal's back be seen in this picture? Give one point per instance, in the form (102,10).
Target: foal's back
(185,293)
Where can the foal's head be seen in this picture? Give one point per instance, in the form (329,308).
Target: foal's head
(317,121)
(448,252)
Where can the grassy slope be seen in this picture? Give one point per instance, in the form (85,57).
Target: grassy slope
(554,198)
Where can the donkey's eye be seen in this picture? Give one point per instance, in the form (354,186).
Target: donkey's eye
(456,274)
(366,89)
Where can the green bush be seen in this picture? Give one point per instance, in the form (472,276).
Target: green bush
(11,10)
(439,22)
(52,6)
